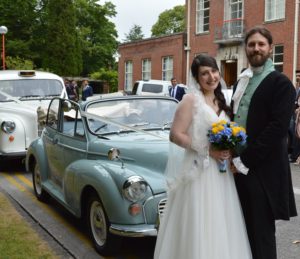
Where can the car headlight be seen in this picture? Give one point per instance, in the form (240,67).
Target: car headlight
(8,126)
(135,188)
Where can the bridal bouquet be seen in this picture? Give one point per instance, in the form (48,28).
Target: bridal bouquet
(226,135)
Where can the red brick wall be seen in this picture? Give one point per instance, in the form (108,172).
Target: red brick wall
(254,12)
(173,45)
(154,49)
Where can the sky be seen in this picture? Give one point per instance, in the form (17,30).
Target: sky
(139,12)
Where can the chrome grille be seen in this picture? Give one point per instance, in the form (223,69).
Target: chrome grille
(161,207)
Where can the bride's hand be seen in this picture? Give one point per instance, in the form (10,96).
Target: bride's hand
(220,154)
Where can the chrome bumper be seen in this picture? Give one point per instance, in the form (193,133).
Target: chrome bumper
(133,230)
(13,154)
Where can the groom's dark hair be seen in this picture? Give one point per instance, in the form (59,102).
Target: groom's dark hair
(261,30)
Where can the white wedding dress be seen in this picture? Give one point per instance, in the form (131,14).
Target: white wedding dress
(203,218)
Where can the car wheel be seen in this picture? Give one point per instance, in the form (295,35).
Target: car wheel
(98,225)
(40,193)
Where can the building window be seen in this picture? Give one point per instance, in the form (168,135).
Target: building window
(202,16)
(167,68)
(233,14)
(278,57)
(128,75)
(274,10)
(146,69)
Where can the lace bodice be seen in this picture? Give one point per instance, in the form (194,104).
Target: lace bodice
(203,117)
(186,164)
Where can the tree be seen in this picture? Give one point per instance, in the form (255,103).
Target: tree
(17,63)
(62,53)
(97,33)
(19,16)
(169,22)
(134,34)
(108,76)
(72,37)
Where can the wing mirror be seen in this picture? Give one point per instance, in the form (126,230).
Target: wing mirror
(114,154)
(66,106)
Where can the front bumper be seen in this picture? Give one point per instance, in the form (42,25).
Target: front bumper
(143,230)
(13,155)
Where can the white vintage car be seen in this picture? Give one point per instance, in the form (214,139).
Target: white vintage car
(24,95)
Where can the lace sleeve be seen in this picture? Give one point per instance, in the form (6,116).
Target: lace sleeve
(199,137)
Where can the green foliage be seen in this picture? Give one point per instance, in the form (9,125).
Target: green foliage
(134,34)
(109,76)
(97,33)
(17,63)
(62,51)
(170,21)
(18,239)
(19,17)
(68,37)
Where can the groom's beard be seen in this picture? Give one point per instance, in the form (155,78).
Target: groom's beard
(257,59)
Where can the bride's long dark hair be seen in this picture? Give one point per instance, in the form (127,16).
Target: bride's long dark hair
(206,60)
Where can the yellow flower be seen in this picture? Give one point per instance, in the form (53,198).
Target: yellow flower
(222,121)
(215,130)
(235,130)
(221,127)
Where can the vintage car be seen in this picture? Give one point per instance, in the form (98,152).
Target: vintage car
(23,95)
(104,161)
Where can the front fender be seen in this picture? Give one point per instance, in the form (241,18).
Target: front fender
(36,154)
(86,174)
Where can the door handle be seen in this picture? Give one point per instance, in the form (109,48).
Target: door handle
(55,141)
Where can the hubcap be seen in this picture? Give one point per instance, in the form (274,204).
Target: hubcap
(37,180)
(98,223)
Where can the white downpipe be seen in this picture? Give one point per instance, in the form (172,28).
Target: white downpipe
(296,43)
(188,47)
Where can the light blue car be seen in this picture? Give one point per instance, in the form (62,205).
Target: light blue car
(104,161)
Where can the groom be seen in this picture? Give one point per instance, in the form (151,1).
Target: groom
(263,102)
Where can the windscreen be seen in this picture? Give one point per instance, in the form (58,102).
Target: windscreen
(28,88)
(143,114)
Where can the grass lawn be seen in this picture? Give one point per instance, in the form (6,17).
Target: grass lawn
(17,239)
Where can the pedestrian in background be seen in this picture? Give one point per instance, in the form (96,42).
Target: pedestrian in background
(176,91)
(295,125)
(87,90)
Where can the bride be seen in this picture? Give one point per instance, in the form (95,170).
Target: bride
(203,217)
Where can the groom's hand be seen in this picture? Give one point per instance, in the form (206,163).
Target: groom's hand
(233,169)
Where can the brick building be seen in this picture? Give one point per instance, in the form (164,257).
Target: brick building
(216,27)
(154,58)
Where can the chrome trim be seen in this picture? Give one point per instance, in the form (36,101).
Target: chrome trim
(150,198)
(133,230)
(161,206)
(129,182)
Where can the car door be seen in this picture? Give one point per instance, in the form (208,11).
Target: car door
(74,140)
(52,138)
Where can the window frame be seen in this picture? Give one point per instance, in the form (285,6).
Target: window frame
(167,68)
(274,10)
(278,65)
(146,69)
(128,75)
(202,13)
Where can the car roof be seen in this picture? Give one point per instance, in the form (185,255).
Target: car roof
(14,75)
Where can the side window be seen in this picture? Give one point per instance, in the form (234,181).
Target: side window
(72,123)
(52,116)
